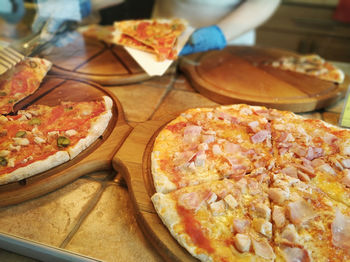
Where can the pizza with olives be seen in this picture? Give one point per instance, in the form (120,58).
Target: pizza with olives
(249,183)
(41,137)
(21,81)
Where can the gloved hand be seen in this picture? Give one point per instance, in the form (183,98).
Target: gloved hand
(204,39)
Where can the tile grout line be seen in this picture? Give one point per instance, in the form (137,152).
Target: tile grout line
(90,206)
(167,91)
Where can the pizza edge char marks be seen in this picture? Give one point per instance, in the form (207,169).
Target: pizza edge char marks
(312,65)
(247,183)
(157,36)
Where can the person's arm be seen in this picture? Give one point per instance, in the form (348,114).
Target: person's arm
(249,15)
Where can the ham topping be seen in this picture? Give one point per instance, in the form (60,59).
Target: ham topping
(240,225)
(260,137)
(291,171)
(341,231)
(300,211)
(295,254)
(278,195)
(193,200)
(263,249)
(218,208)
(314,152)
(327,169)
(278,216)
(346,162)
(290,234)
(242,242)
(191,133)
(346,178)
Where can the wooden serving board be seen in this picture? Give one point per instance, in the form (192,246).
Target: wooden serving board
(94,60)
(236,74)
(133,161)
(98,156)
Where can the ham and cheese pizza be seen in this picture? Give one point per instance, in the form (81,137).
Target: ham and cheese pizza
(283,178)
(21,81)
(41,137)
(312,65)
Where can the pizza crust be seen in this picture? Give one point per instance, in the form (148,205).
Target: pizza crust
(166,210)
(34,168)
(96,130)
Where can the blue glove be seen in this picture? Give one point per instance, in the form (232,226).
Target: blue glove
(204,39)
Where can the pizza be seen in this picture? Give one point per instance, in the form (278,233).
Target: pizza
(41,137)
(157,36)
(312,65)
(249,183)
(21,81)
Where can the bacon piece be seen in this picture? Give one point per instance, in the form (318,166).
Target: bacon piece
(278,216)
(231,201)
(314,152)
(240,225)
(326,168)
(216,149)
(290,234)
(193,200)
(346,162)
(341,230)
(242,242)
(260,136)
(291,171)
(232,148)
(191,133)
(263,227)
(300,211)
(292,254)
(263,249)
(254,126)
(346,178)
(277,195)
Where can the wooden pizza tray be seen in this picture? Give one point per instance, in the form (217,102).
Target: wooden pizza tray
(94,60)
(133,161)
(96,157)
(235,75)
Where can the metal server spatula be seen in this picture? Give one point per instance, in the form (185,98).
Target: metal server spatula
(10,56)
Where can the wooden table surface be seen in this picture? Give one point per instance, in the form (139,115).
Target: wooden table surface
(93,215)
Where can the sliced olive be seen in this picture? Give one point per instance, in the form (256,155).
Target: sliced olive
(63,141)
(21,134)
(3,161)
(2,93)
(34,121)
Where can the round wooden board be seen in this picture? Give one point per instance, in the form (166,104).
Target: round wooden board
(94,60)
(236,74)
(133,161)
(98,156)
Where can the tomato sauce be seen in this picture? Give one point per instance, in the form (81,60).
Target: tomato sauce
(193,229)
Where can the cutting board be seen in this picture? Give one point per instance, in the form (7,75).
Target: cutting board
(236,74)
(133,161)
(96,157)
(94,60)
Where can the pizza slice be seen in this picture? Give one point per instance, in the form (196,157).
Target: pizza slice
(42,137)
(205,145)
(307,224)
(224,220)
(314,152)
(312,65)
(21,81)
(159,34)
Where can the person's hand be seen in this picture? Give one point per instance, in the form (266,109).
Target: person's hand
(204,39)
